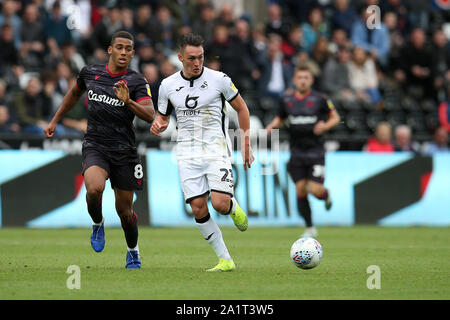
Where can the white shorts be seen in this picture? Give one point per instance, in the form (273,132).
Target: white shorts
(200,176)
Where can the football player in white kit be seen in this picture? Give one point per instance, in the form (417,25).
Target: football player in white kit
(198,95)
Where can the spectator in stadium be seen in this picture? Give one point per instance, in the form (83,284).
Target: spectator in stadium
(102,32)
(151,73)
(8,119)
(441,61)
(204,25)
(145,53)
(32,49)
(414,71)
(381,142)
(275,76)
(222,47)
(276,24)
(9,55)
(250,60)
(144,22)
(167,28)
(234,8)
(375,41)
(9,16)
(335,76)
(399,9)
(320,53)
(363,76)
(55,25)
(338,39)
(439,143)
(63,74)
(71,56)
(8,123)
(397,39)
(166,68)
(343,16)
(226,14)
(313,29)
(32,108)
(444,111)
(293,44)
(418,13)
(127,18)
(182,11)
(402,139)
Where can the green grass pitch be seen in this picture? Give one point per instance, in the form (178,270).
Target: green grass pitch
(414,264)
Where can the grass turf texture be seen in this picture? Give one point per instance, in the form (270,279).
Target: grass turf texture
(414,264)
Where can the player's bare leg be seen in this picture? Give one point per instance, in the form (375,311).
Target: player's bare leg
(225,204)
(304,207)
(320,192)
(211,233)
(94,180)
(128,219)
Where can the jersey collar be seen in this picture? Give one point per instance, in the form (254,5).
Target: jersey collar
(115,74)
(191,80)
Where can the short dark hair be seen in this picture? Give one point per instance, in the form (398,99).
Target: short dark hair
(303,67)
(122,34)
(190,39)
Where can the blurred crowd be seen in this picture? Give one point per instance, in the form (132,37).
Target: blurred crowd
(385,63)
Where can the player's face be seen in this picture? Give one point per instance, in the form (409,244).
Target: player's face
(303,81)
(121,52)
(192,59)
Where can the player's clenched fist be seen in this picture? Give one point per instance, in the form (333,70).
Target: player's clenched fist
(50,130)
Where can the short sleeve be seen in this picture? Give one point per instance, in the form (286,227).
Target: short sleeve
(164,106)
(81,79)
(142,90)
(327,105)
(228,89)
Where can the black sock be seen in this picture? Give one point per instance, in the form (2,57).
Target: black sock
(130,229)
(95,209)
(305,210)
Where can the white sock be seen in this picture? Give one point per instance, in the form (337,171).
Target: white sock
(211,233)
(233,205)
(98,224)
(135,248)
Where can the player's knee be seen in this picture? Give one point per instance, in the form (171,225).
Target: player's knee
(199,210)
(94,192)
(223,206)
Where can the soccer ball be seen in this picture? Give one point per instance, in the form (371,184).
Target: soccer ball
(306,253)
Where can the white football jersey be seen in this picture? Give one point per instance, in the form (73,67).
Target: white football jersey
(199,105)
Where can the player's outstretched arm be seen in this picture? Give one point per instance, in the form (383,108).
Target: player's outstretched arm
(240,106)
(160,124)
(144,109)
(70,100)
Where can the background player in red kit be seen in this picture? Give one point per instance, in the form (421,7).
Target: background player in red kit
(116,95)
(309,114)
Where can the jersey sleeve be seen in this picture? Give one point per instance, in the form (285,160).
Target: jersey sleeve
(164,106)
(327,105)
(81,79)
(142,90)
(228,89)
